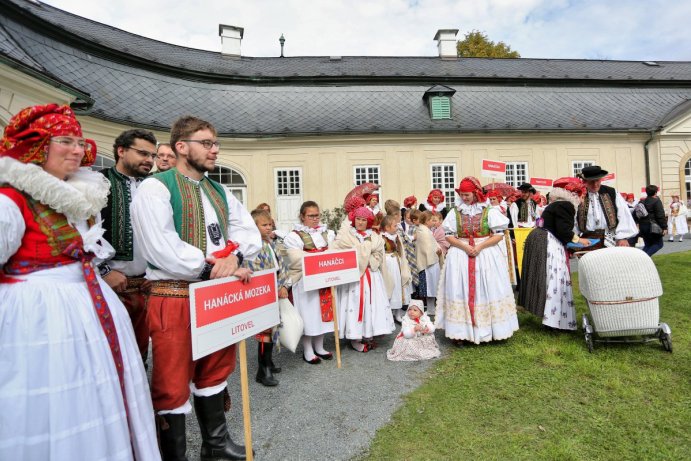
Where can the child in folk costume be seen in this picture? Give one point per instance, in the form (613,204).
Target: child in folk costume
(416,339)
(435,202)
(676,224)
(476,302)
(363,306)
(496,203)
(411,221)
(268,258)
(427,253)
(434,224)
(395,269)
(316,306)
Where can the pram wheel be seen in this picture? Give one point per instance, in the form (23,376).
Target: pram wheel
(666,337)
(588,333)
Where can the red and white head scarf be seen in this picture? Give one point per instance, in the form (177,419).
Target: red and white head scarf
(29,132)
(471,184)
(362,212)
(410,201)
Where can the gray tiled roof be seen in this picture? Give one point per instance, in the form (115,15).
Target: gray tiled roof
(347,67)
(140,95)
(11,49)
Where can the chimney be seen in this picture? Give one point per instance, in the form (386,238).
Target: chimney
(446,43)
(231,38)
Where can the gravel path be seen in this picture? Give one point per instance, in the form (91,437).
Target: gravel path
(319,411)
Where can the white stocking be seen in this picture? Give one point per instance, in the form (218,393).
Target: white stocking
(307,348)
(318,343)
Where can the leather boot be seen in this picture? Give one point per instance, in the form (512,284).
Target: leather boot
(274,368)
(216,441)
(264,374)
(172,437)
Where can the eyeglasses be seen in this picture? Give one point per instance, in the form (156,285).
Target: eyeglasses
(312,216)
(206,143)
(144,153)
(70,142)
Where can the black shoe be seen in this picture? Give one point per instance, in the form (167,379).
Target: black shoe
(216,441)
(264,374)
(327,356)
(314,361)
(172,437)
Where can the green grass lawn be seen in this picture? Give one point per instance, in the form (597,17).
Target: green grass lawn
(542,396)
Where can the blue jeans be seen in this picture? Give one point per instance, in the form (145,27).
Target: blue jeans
(653,242)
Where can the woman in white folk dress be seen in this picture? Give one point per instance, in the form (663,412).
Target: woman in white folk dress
(315,307)
(363,306)
(676,222)
(72,382)
(475,301)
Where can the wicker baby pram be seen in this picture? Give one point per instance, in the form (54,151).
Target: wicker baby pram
(621,287)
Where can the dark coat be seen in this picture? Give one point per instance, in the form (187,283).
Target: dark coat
(656,211)
(558,219)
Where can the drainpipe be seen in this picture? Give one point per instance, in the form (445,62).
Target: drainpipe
(646,156)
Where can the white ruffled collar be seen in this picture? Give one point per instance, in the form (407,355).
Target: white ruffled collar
(83,194)
(436,208)
(368,233)
(473,209)
(391,237)
(320,229)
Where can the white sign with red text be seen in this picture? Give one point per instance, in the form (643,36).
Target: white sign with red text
(494,169)
(541,184)
(329,268)
(610,179)
(226,311)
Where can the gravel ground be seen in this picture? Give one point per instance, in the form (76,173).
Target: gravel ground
(320,412)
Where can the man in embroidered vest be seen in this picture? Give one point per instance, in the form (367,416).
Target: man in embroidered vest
(191,229)
(523,212)
(165,158)
(603,214)
(134,152)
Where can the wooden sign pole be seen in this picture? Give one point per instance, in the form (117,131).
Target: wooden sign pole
(244,387)
(336,335)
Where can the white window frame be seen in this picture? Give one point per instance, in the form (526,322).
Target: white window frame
(367,172)
(514,181)
(239,191)
(100,164)
(289,181)
(582,163)
(687,180)
(448,187)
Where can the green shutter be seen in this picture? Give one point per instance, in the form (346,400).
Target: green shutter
(440,107)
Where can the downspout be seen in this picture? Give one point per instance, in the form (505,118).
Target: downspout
(646,156)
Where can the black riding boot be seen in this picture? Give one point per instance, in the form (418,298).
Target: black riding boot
(264,372)
(171,436)
(216,441)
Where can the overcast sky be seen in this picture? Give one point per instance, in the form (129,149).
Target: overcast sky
(590,29)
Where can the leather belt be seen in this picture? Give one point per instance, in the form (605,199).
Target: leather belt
(134,284)
(170,288)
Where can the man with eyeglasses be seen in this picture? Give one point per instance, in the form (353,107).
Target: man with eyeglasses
(191,229)
(134,152)
(165,157)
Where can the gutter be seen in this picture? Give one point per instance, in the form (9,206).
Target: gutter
(646,156)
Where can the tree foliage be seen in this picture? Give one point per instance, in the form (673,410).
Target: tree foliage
(476,44)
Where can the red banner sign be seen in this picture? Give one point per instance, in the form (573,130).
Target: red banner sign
(491,165)
(321,263)
(609,177)
(218,302)
(541,182)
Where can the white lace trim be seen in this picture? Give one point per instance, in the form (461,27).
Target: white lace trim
(82,195)
(473,209)
(310,230)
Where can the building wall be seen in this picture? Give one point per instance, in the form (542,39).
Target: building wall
(326,163)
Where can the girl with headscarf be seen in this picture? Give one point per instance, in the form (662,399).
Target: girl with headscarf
(676,224)
(363,306)
(545,286)
(475,301)
(436,202)
(72,382)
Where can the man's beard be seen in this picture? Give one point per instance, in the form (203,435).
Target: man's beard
(198,166)
(133,170)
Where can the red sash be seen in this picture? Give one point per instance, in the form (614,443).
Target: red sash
(362,292)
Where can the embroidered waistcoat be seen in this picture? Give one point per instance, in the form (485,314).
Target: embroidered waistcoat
(188,210)
(308,243)
(47,236)
(472,226)
(608,202)
(116,215)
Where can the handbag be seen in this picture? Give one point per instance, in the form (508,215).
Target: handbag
(655,228)
(291,327)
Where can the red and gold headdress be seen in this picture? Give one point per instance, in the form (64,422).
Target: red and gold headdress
(29,132)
